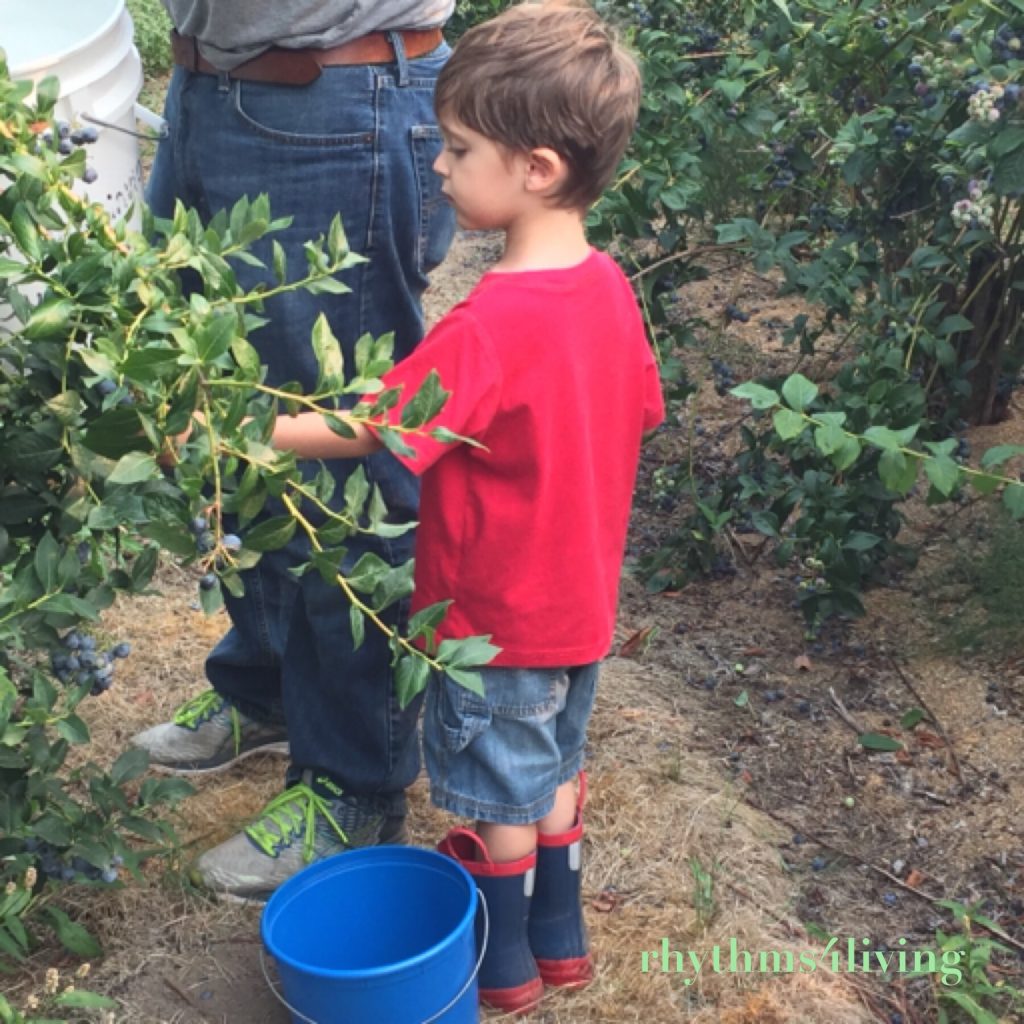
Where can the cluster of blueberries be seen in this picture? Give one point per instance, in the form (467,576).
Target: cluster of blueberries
(206,542)
(68,139)
(724,379)
(82,664)
(1007,44)
(53,863)
(785,174)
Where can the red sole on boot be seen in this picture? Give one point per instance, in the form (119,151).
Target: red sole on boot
(520,999)
(572,973)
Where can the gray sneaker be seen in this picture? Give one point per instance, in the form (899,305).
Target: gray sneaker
(296,828)
(207,734)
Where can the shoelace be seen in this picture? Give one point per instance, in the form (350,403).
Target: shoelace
(205,706)
(292,810)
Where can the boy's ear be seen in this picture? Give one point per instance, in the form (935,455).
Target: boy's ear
(545,170)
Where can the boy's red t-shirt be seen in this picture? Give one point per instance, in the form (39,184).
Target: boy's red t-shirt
(552,373)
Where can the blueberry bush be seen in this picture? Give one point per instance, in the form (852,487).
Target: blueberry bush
(870,158)
(106,359)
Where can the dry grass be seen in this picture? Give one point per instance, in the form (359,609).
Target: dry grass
(175,957)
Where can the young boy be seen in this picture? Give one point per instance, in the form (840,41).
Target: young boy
(550,371)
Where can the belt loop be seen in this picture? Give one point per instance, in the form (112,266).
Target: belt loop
(223,81)
(402,63)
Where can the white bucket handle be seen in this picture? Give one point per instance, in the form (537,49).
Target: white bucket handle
(144,114)
(430,1020)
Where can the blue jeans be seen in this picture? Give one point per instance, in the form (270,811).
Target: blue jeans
(359,141)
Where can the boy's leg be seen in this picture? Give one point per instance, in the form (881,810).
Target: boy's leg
(557,932)
(508,977)
(496,759)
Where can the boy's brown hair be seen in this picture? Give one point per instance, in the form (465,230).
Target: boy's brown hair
(547,75)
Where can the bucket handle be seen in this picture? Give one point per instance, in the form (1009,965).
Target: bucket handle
(430,1020)
(154,121)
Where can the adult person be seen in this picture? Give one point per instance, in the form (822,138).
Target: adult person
(327,107)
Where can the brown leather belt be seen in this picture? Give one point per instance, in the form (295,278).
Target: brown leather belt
(300,67)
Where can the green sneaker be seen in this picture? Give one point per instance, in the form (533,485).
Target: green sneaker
(207,734)
(296,828)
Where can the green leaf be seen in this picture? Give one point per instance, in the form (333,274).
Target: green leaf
(215,336)
(411,675)
(175,539)
(911,718)
(26,234)
(742,700)
(51,317)
(999,454)
(860,540)
(978,1014)
(68,604)
(115,432)
(471,681)
(1008,175)
(1009,139)
(9,946)
(829,438)
(983,483)
(426,403)
(46,560)
(897,471)
(943,473)
(847,454)
(731,88)
(130,765)
(1013,500)
(86,1001)
(271,534)
(328,357)
(280,262)
(788,424)
(72,935)
(357,626)
(73,729)
(799,392)
(470,652)
(134,468)
(878,741)
(337,243)
(889,440)
(759,396)
(954,325)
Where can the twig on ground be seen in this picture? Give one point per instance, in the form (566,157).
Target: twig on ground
(933,718)
(843,713)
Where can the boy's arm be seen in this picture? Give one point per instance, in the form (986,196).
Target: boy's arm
(309,436)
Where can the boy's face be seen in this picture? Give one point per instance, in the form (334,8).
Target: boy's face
(482,180)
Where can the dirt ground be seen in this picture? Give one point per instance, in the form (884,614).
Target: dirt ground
(730,801)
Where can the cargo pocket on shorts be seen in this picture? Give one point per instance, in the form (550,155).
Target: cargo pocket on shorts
(463,716)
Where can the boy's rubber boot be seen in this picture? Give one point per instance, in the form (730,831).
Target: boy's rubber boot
(558,935)
(508,978)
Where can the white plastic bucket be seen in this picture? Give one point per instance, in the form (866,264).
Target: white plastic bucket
(88,45)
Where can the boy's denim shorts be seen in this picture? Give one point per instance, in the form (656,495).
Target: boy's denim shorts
(500,758)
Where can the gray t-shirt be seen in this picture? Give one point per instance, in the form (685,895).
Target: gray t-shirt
(233,31)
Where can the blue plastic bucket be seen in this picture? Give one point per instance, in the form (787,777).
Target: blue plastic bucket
(380,935)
